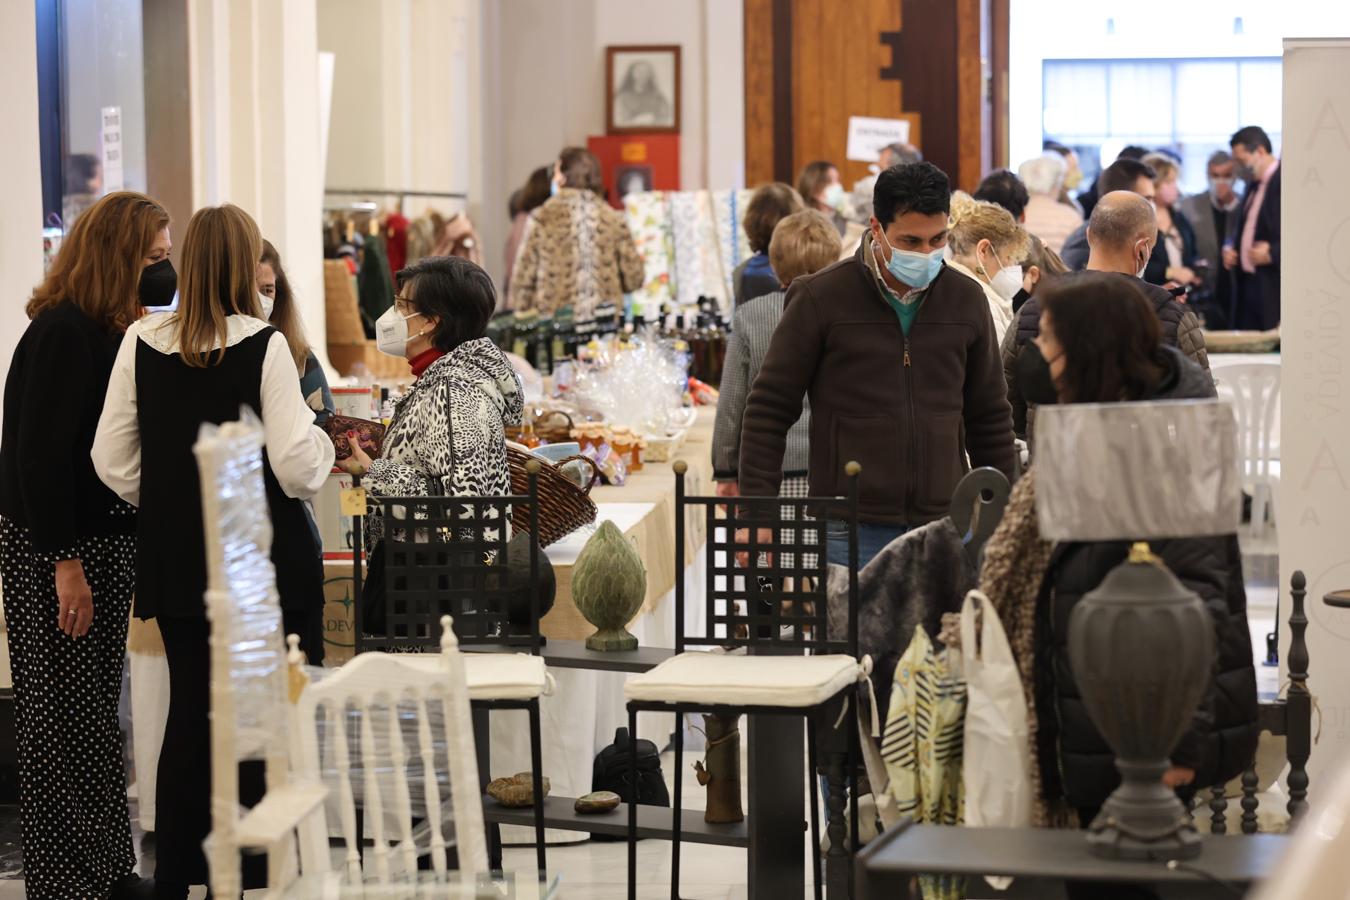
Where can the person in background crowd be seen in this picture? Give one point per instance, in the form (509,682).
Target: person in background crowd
(68,551)
(1123,231)
(1211,213)
(896,154)
(1122,175)
(524,201)
(1006,189)
(1175,234)
(1046,217)
(1099,342)
(83,185)
(770,204)
(174,372)
(448,435)
(802,244)
(279,310)
(1073,174)
(821,190)
(577,250)
(894,349)
(1088,197)
(988,245)
(1252,252)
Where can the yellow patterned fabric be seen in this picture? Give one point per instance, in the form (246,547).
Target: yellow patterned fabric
(922,746)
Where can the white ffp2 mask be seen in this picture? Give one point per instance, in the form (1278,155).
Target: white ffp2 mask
(391,332)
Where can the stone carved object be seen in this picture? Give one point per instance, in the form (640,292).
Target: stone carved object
(609,583)
(1142,647)
(597,802)
(517,791)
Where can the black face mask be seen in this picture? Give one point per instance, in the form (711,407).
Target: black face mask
(1034,379)
(158,284)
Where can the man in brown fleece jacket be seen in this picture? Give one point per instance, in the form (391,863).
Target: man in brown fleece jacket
(898,356)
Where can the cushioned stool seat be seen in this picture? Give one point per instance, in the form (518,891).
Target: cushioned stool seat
(498,676)
(794,682)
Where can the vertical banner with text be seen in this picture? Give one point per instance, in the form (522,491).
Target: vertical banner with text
(1314,500)
(110,142)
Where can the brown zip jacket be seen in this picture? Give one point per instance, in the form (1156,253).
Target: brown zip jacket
(909,410)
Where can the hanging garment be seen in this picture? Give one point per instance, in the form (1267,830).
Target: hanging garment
(716,279)
(396,240)
(912,582)
(922,745)
(648,215)
(689,247)
(374,283)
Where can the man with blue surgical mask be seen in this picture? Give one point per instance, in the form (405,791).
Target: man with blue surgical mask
(899,359)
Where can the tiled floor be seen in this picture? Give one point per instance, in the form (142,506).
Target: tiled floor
(597,871)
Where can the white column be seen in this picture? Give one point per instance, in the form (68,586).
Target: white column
(1314,500)
(21,213)
(255,102)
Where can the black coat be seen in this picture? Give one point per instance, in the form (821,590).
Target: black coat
(1075,759)
(1258,295)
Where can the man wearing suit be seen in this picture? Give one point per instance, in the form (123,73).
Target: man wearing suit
(1211,214)
(1252,251)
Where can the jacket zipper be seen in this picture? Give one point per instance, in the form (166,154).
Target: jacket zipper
(913,435)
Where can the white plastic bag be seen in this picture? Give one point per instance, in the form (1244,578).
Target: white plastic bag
(997,765)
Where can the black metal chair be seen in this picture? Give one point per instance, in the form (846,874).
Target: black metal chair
(451,556)
(770,611)
(1289,717)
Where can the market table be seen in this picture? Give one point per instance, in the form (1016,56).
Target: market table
(1041,860)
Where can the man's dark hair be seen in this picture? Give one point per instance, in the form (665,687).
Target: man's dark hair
(1006,189)
(1123,175)
(456,291)
(1132,151)
(1061,149)
(1251,137)
(919,187)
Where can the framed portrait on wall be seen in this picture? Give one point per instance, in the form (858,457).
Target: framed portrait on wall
(642,89)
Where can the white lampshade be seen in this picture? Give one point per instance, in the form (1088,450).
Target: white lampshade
(1137,471)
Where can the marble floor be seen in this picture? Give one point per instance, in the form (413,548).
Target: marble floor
(597,871)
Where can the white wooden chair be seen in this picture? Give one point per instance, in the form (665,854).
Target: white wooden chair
(248,667)
(1255,394)
(264,706)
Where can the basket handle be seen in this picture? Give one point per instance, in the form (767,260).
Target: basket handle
(595,470)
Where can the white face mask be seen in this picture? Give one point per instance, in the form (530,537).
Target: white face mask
(391,332)
(268,304)
(834,197)
(1007,281)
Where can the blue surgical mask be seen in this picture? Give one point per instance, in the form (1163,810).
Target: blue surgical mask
(553,188)
(912,267)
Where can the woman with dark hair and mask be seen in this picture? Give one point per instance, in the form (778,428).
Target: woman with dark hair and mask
(68,551)
(279,310)
(1100,342)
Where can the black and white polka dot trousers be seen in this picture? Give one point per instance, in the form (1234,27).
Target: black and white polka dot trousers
(72,784)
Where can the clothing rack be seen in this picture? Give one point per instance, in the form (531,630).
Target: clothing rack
(402,196)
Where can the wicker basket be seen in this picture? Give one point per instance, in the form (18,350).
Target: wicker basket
(563,507)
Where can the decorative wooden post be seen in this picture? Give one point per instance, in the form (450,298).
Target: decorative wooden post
(1299,703)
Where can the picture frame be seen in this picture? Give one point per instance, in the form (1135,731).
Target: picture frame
(642,89)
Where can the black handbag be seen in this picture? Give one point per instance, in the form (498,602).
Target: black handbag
(613,772)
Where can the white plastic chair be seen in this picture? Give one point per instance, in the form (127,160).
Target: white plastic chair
(1255,390)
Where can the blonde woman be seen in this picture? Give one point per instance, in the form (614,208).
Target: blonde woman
(1175,234)
(68,551)
(174,372)
(987,245)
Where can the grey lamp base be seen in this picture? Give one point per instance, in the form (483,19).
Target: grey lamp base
(1109,842)
(612,639)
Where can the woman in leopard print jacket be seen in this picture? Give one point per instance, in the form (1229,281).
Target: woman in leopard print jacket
(450,426)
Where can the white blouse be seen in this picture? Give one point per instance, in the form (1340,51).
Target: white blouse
(299,452)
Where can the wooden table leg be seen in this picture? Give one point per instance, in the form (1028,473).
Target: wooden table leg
(777,823)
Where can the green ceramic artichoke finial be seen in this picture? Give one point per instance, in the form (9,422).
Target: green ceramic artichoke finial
(609,583)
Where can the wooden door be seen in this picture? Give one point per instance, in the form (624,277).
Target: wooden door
(811,64)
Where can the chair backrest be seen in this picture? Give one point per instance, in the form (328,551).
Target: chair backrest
(766,573)
(248,660)
(450,556)
(411,706)
(977,507)
(1255,391)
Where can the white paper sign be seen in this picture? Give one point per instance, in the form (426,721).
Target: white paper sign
(110,139)
(866,136)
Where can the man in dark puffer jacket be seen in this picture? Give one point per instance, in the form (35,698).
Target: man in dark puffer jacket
(1121,232)
(1221,743)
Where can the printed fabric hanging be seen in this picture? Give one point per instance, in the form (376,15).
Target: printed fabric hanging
(922,745)
(648,214)
(689,248)
(716,281)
